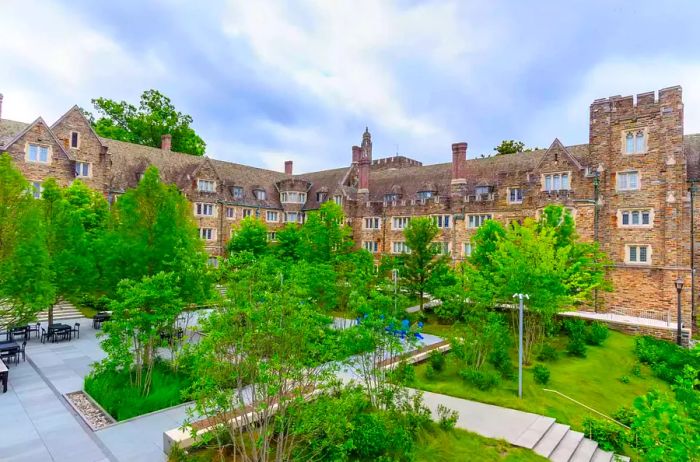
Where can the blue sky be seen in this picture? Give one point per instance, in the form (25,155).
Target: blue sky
(268,81)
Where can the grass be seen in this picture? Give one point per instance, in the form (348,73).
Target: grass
(593,381)
(114,392)
(459,445)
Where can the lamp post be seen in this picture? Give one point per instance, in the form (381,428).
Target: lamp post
(679,287)
(520,343)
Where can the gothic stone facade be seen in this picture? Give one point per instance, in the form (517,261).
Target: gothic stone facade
(628,188)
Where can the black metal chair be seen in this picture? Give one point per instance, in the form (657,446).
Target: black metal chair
(46,336)
(35,328)
(23,351)
(76,329)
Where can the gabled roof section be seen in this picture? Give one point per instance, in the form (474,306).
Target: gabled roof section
(558,146)
(8,130)
(87,122)
(24,131)
(206,162)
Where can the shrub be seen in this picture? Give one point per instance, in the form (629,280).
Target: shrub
(541,374)
(430,372)
(577,337)
(447,418)
(624,379)
(596,333)
(666,359)
(637,370)
(625,415)
(500,359)
(404,373)
(437,360)
(481,379)
(609,435)
(548,353)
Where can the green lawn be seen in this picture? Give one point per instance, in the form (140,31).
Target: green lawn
(460,445)
(593,381)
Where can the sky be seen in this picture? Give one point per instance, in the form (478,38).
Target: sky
(268,81)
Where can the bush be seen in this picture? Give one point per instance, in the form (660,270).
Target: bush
(404,373)
(437,360)
(609,435)
(576,329)
(541,374)
(430,372)
(637,370)
(481,379)
(624,379)
(447,418)
(667,360)
(114,392)
(500,359)
(548,353)
(596,333)
(625,415)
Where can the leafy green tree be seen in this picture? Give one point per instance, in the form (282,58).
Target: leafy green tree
(249,236)
(424,257)
(25,266)
(509,147)
(155,116)
(153,231)
(325,235)
(288,241)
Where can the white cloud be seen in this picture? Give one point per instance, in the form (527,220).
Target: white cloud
(51,56)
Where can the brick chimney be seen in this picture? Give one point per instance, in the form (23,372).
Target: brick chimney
(166,142)
(0,106)
(356,150)
(288,167)
(459,157)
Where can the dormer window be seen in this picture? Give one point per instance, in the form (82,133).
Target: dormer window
(206,186)
(635,142)
(482,190)
(321,196)
(293,197)
(422,195)
(338,199)
(556,182)
(393,197)
(82,169)
(260,194)
(237,192)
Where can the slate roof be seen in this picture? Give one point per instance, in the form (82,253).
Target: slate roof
(9,129)
(331,182)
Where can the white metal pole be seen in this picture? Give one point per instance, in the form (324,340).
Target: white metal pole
(520,349)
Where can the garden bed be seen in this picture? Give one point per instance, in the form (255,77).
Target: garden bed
(608,378)
(92,413)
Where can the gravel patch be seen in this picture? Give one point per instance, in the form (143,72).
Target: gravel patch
(91,413)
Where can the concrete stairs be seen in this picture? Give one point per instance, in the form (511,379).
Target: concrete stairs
(62,311)
(559,443)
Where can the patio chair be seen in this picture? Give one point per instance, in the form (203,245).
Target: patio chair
(35,328)
(23,351)
(76,329)
(46,336)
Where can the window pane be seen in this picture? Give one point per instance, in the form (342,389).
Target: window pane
(548,183)
(633,253)
(32,152)
(565,181)
(632,180)
(629,143)
(645,218)
(625,218)
(642,253)
(43,154)
(640,142)
(622,181)
(635,218)
(556,183)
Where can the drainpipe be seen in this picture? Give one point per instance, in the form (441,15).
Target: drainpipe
(693,315)
(596,191)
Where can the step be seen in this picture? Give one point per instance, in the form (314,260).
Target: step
(535,432)
(551,439)
(602,456)
(585,451)
(567,446)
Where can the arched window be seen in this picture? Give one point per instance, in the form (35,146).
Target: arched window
(629,143)
(639,142)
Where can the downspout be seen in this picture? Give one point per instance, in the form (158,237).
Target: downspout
(596,190)
(693,315)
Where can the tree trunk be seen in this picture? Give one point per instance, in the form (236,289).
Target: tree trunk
(50,314)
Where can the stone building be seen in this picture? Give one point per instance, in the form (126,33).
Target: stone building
(628,188)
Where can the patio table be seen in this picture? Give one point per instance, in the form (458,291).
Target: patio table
(4,373)
(18,331)
(10,347)
(99,318)
(58,329)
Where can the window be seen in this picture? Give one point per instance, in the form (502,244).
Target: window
(206,186)
(293,217)
(475,221)
(638,254)
(400,222)
(237,192)
(556,182)
(293,197)
(37,153)
(338,199)
(422,195)
(260,194)
(443,248)
(399,247)
(82,169)
(213,262)
(481,190)
(442,221)
(515,196)
(206,233)
(230,212)
(204,210)
(632,218)
(321,196)
(467,250)
(371,246)
(271,216)
(635,142)
(372,223)
(391,197)
(627,181)
(74,140)
(272,236)
(247,213)
(37,189)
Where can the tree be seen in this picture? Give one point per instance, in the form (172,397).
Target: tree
(325,235)
(423,256)
(155,116)
(25,267)
(511,147)
(249,236)
(153,231)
